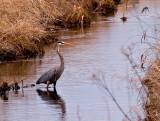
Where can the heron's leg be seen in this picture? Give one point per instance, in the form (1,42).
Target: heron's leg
(48,83)
(48,93)
(54,84)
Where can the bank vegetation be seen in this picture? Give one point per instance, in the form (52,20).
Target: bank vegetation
(26,25)
(145,61)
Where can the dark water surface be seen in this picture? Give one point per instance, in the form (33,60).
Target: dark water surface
(96,50)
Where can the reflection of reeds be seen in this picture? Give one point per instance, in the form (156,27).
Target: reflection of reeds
(127,3)
(14,72)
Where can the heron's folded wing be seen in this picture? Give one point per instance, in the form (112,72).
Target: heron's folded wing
(46,77)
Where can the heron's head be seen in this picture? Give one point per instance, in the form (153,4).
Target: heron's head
(60,44)
(63,43)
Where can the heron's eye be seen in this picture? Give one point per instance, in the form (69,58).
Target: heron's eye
(61,43)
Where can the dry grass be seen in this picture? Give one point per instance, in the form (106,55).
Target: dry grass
(148,73)
(150,65)
(147,69)
(78,15)
(152,82)
(89,5)
(23,24)
(107,6)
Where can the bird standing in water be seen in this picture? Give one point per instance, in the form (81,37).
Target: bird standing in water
(51,76)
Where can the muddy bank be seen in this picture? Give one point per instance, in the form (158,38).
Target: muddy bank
(26,26)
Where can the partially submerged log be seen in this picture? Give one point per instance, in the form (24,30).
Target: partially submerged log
(13,85)
(5,86)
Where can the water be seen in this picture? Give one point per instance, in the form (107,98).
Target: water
(96,50)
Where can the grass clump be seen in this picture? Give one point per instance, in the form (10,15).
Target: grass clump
(107,6)
(89,5)
(77,16)
(152,82)
(147,69)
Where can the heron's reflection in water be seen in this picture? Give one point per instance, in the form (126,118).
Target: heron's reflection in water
(52,97)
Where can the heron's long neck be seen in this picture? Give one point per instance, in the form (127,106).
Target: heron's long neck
(61,59)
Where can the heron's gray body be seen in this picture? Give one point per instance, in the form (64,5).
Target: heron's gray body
(53,74)
(48,76)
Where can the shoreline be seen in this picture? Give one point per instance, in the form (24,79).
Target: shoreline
(28,26)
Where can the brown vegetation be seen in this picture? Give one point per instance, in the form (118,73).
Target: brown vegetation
(89,5)
(150,89)
(78,16)
(147,69)
(107,6)
(152,82)
(26,24)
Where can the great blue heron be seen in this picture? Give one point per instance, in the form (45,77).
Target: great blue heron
(53,74)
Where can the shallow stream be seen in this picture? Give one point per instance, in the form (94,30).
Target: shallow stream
(96,50)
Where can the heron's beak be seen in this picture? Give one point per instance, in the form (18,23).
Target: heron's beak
(68,44)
